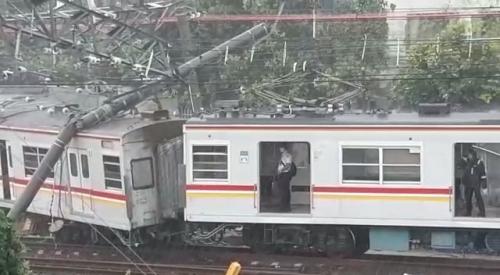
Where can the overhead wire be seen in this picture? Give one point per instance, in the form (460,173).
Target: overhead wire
(119,237)
(363,16)
(319,51)
(121,252)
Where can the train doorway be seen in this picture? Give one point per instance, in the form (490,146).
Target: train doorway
(281,189)
(4,171)
(477,180)
(79,179)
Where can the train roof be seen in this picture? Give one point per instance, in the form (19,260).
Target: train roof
(394,118)
(28,108)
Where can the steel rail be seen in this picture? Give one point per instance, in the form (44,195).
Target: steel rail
(113,267)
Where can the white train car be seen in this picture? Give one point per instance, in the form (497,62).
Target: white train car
(357,170)
(108,175)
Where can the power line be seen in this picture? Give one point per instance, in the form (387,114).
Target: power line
(224,18)
(358,77)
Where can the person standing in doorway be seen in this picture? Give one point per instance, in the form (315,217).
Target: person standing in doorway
(474,175)
(283,178)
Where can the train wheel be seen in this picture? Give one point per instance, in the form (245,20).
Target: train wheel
(63,236)
(337,241)
(361,240)
(492,241)
(253,237)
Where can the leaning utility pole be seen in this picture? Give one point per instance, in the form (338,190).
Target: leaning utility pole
(122,103)
(193,86)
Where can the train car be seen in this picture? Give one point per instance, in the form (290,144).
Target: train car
(385,181)
(388,179)
(108,176)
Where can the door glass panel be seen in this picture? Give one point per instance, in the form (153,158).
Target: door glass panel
(142,173)
(85,166)
(72,165)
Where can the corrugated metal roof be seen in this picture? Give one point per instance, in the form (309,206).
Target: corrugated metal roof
(28,108)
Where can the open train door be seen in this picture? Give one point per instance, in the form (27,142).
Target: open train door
(79,179)
(298,188)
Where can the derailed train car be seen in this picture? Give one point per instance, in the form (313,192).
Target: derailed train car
(378,181)
(108,176)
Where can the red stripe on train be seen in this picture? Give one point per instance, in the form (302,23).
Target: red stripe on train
(220,187)
(60,187)
(344,128)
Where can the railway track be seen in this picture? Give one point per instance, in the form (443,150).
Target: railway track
(348,266)
(116,267)
(50,258)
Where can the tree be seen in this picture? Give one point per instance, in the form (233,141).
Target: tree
(337,50)
(10,249)
(454,70)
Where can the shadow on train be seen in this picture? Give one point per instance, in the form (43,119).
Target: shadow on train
(477,180)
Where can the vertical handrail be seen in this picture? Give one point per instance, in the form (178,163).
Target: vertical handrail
(312,196)
(450,198)
(255,196)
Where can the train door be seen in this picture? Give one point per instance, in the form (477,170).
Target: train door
(477,180)
(272,189)
(4,172)
(79,179)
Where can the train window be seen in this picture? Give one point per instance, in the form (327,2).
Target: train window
(381,165)
(361,173)
(142,173)
(210,163)
(360,165)
(360,155)
(85,166)
(112,173)
(401,165)
(10,156)
(73,166)
(32,158)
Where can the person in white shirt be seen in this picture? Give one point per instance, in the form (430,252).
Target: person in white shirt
(283,178)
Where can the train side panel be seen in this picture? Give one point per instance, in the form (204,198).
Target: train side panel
(86,185)
(428,201)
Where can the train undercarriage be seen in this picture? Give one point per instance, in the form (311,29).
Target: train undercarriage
(328,240)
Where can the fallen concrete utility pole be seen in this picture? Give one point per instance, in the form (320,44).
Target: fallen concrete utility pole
(108,110)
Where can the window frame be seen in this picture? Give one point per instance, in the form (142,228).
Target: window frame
(9,151)
(153,182)
(85,172)
(209,143)
(381,146)
(73,164)
(39,161)
(104,172)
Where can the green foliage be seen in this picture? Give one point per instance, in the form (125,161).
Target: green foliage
(237,6)
(452,70)
(336,50)
(10,249)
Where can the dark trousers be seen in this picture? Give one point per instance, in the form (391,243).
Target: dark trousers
(458,191)
(476,191)
(284,192)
